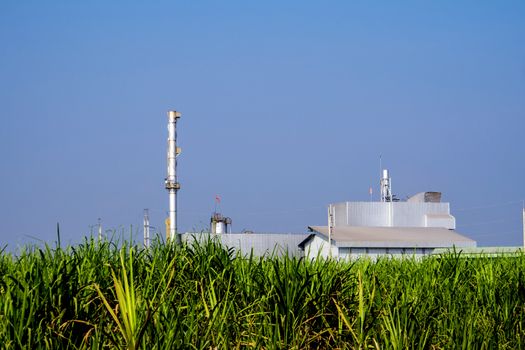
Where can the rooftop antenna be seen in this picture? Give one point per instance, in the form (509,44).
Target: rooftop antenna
(171,180)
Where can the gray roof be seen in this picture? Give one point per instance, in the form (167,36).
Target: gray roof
(393,237)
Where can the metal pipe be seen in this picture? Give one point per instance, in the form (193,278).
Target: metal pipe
(171,180)
(386,186)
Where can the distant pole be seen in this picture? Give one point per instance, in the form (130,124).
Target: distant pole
(146,228)
(330,228)
(171,180)
(523,225)
(99,229)
(380,176)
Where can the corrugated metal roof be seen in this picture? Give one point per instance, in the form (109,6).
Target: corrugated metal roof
(394,237)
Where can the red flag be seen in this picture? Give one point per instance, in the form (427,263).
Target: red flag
(217,198)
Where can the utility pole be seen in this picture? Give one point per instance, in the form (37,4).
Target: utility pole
(330,228)
(146,228)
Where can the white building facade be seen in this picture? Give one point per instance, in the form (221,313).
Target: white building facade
(415,227)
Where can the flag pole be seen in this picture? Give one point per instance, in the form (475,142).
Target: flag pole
(217,201)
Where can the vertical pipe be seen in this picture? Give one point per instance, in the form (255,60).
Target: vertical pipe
(171,180)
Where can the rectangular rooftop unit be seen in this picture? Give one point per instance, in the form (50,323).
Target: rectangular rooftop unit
(394,214)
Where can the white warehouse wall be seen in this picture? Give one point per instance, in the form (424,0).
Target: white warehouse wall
(397,214)
(318,247)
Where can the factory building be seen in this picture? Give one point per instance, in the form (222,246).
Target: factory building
(415,227)
(389,227)
(351,242)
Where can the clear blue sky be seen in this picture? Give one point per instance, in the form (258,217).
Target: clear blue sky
(286,107)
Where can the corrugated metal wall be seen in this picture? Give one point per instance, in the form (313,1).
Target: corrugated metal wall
(374,253)
(400,214)
(261,243)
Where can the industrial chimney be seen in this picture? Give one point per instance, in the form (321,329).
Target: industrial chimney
(171,180)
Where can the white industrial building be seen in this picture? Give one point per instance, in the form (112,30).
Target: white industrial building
(351,242)
(412,228)
(415,227)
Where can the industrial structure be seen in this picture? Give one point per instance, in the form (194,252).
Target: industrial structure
(389,227)
(386,187)
(220,224)
(416,226)
(170,182)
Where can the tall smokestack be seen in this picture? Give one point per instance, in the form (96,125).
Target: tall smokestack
(171,180)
